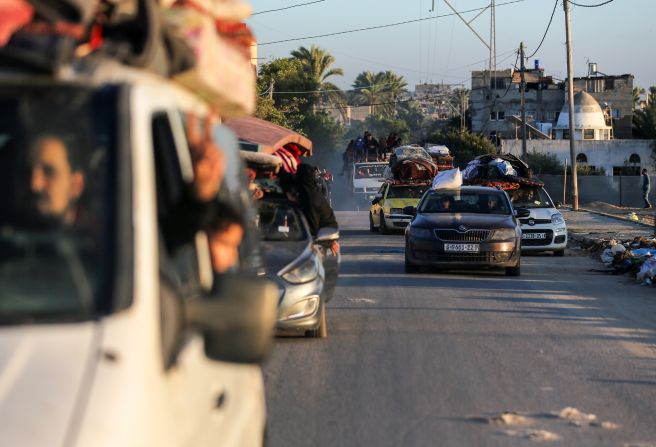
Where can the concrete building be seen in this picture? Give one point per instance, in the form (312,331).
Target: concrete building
(590,121)
(439,102)
(614,93)
(495,100)
(613,157)
(351,113)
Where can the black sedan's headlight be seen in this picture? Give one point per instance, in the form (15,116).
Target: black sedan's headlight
(504,234)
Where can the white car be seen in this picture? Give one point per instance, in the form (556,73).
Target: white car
(366,180)
(107,336)
(545,228)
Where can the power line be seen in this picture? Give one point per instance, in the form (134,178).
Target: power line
(545,31)
(287,7)
(388,25)
(592,6)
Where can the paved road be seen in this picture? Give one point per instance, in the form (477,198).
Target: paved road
(434,359)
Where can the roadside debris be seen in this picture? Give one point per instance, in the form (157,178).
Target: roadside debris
(636,257)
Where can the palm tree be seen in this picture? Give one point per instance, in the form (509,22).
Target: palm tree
(370,91)
(395,86)
(317,64)
(637,91)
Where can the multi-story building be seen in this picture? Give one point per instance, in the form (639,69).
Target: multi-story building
(495,103)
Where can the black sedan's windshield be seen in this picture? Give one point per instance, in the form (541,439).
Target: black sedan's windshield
(56,152)
(456,201)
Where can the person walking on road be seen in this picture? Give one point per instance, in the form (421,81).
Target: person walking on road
(646,186)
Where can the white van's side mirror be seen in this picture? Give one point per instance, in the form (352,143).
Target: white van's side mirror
(238,320)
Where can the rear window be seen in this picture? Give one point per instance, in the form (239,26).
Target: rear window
(456,201)
(369,171)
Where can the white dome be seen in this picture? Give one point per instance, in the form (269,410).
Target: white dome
(587,114)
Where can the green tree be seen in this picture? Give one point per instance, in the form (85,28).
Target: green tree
(544,163)
(637,91)
(644,121)
(369,91)
(317,64)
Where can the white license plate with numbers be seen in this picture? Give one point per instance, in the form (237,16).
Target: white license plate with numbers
(534,235)
(462,248)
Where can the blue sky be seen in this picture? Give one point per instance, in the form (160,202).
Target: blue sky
(620,37)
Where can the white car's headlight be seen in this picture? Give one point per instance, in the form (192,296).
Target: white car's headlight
(503,234)
(421,233)
(396,210)
(557,219)
(305,272)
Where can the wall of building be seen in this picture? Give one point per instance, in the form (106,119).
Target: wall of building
(600,154)
(620,191)
(617,91)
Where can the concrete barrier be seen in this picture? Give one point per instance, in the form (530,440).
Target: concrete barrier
(617,190)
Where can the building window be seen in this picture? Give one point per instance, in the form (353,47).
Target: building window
(634,159)
(610,84)
(566,134)
(493,116)
(501,116)
(588,134)
(497,83)
(582,158)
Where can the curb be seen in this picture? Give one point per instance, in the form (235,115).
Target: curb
(617,217)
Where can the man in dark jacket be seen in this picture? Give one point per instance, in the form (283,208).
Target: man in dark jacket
(646,186)
(314,205)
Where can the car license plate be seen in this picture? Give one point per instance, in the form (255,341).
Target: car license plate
(534,235)
(462,248)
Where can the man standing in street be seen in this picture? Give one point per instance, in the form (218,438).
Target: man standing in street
(646,186)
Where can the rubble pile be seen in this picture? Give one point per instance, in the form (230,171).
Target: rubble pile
(636,257)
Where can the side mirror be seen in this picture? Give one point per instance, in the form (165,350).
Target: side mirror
(238,320)
(521,213)
(410,210)
(558,205)
(327,234)
(377,199)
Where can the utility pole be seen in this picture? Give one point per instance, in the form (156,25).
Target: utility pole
(570,92)
(522,92)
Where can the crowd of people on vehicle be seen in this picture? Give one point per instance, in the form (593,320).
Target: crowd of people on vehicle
(365,148)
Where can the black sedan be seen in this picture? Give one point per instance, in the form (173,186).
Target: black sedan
(471,226)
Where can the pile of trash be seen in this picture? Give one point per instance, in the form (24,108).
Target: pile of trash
(504,171)
(636,257)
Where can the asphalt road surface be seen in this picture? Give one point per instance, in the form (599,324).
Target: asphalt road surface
(436,359)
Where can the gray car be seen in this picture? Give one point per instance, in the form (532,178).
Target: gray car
(303,267)
(471,226)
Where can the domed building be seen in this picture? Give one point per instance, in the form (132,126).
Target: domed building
(589,120)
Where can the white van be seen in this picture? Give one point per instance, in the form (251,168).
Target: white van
(107,336)
(545,228)
(366,180)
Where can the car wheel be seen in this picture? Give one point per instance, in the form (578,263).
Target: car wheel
(410,267)
(322,330)
(559,252)
(371,223)
(514,271)
(383,226)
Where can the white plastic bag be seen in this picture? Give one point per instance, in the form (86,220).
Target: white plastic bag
(448,179)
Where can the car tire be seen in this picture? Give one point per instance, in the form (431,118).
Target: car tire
(383,226)
(514,271)
(371,224)
(559,252)
(322,330)
(410,267)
